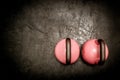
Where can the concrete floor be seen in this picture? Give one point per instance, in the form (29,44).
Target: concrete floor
(31,29)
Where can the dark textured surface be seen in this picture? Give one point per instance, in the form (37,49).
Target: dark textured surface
(31,29)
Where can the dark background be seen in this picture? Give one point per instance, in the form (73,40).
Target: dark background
(18,59)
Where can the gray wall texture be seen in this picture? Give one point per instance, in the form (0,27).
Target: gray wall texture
(30,33)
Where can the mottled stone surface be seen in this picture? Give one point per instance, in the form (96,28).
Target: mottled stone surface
(30,35)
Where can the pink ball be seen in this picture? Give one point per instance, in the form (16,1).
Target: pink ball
(91,51)
(60,51)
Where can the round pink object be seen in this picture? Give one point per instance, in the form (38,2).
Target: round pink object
(91,51)
(60,51)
